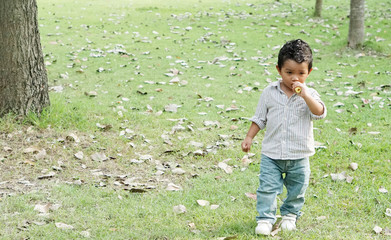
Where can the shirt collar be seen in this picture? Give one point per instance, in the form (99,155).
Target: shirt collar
(277,84)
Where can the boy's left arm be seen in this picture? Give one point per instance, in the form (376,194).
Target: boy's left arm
(315,106)
(312,99)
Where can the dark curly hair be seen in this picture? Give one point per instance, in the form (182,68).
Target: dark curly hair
(297,50)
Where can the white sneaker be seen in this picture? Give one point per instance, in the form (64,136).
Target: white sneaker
(263,228)
(288,222)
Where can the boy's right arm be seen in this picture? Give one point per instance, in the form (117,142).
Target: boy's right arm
(246,144)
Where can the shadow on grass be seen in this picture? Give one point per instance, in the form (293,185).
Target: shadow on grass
(238,230)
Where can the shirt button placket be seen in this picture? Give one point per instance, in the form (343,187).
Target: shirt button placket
(284,132)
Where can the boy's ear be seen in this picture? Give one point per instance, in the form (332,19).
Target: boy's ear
(310,71)
(278,69)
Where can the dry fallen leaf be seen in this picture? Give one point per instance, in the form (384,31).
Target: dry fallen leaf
(47,176)
(178,171)
(79,155)
(41,154)
(172,108)
(57,89)
(42,208)
(104,127)
(72,138)
(64,226)
(203,203)
(377,229)
(227,169)
(91,94)
(228,238)
(211,123)
(352,131)
(175,80)
(130,181)
(99,157)
(338,176)
(39,223)
(78,182)
(233,127)
(173,187)
(179,209)
(192,225)
(246,161)
(85,234)
(383,190)
(353,166)
(214,206)
(7,149)
(349,179)
(339,104)
(351,92)
(388,212)
(196,144)
(31,150)
(374,133)
(146,157)
(199,153)
(251,195)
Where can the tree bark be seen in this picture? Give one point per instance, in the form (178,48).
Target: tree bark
(23,77)
(318,8)
(356,25)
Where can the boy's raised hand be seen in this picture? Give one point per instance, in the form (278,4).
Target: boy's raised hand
(314,106)
(299,88)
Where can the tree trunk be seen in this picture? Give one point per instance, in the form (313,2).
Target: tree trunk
(23,77)
(356,25)
(318,8)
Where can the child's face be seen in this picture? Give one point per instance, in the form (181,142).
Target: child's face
(292,71)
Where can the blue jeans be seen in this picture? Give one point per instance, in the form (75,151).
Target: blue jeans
(271,182)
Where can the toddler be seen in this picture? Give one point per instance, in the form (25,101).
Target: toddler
(286,109)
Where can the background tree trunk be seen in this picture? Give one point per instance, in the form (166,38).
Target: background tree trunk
(318,8)
(356,25)
(23,77)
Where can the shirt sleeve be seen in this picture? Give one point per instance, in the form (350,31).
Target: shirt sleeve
(316,95)
(260,113)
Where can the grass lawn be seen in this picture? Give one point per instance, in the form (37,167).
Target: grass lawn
(150,101)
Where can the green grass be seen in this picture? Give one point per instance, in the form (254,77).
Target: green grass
(154,38)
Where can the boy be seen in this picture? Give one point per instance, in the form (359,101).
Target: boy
(286,109)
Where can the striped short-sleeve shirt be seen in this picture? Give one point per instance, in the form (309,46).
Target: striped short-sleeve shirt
(288,123)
